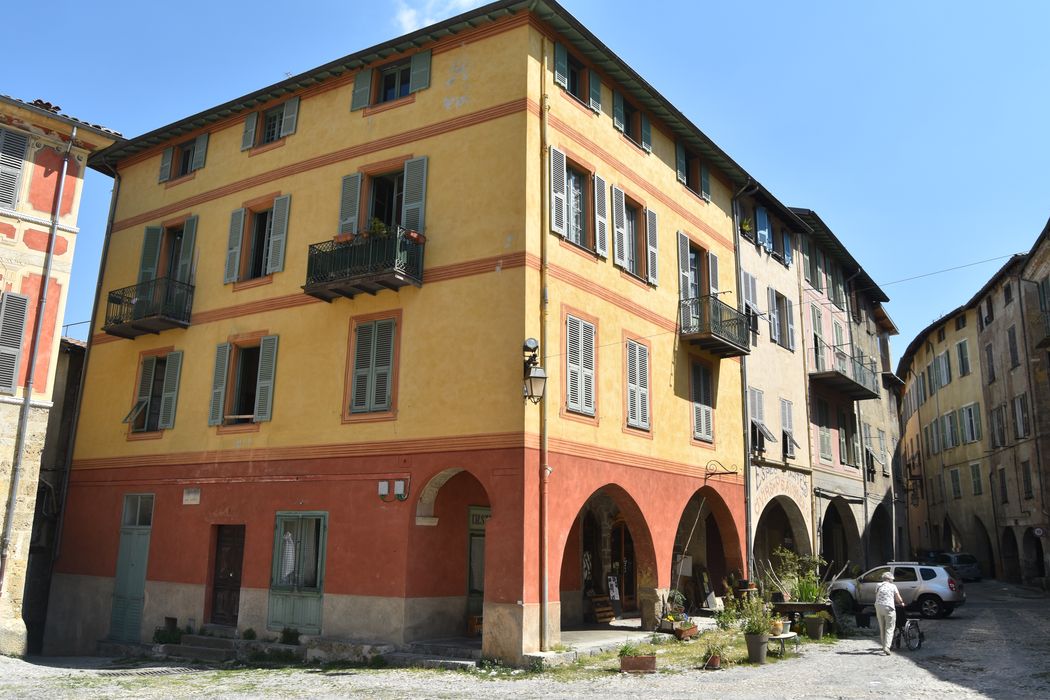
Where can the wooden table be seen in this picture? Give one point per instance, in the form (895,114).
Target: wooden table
(783,638)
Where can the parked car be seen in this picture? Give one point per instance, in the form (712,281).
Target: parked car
(932,589)
(966,565)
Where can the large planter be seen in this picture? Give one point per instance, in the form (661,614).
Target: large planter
(686,632)
(757,645)
(638,664)
(814,627)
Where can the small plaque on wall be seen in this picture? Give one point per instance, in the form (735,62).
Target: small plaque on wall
(191,496)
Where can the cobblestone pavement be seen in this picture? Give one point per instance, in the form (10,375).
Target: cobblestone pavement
(995,646)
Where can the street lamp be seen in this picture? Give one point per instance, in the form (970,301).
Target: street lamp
(535,379)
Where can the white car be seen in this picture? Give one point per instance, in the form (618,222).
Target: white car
(933,590)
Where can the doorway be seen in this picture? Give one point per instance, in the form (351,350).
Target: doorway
(623,566)
(129,591)
(226,582)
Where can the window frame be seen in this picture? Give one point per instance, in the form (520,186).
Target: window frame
(229,422)
(367,86)
(1027,488)
(277,555)
(254,138)
(160,380)
(698,369)
(348,414)
(977,486)
(277,205)
(138,499)
(643,423)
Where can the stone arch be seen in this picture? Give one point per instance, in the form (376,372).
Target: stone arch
(428,495)
(951,538)
(880,536)
(1010,556)
(781,523)
(708,534)
(983,548)
(1033,565)
(839,537)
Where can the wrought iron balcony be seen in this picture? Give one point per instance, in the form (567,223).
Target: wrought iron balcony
(148,307)
(367,264)
(839,371)
(714,326)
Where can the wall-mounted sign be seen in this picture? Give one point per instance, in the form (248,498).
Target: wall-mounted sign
(191,496)
(478,517)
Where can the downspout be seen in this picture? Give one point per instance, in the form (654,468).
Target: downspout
(860,426)
(545,470)
(27,391)
(815,510)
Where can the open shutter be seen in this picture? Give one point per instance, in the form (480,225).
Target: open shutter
(218,384)
(414,204)
(362,89)
(278,233)
(652,240)
(349,202)
(618,117)
(705,182)
(684,278)
(169,397)
(150,259)
(790,325)
(774,315)
(233,246)
(165,165)
(619,227)
(788,249)
(976,423)
(712,274)
(595,87)
(145,389)
(765,235)
(12,156)
(364,345)
(561,66)
(200,152)
(290,118)
(558,193)
(382,365)
(647,132)
(587,368)
(681,163)
(248,137)
(184,269)
(13,310)
(572,364)
(419,71)
(643,385)
(265,380)
(601,217)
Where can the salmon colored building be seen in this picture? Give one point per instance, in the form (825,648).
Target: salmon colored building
(304,399)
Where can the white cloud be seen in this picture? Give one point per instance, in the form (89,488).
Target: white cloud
(415,14)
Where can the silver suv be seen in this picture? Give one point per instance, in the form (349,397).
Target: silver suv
(931,589)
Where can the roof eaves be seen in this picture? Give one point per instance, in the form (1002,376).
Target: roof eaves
(824,235)
(68,119)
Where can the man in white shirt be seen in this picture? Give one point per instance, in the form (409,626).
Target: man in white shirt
(886,596)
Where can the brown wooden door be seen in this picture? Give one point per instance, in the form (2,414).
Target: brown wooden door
(226,586)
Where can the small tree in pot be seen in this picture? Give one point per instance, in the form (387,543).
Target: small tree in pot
(756,622)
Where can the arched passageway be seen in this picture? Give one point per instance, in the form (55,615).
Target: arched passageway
(880,536)
(1034,564)
(706,550)
(983,548)
(839,539)
(780,525)
(951,538)
(1010,556)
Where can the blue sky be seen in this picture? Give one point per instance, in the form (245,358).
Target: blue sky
(917,130)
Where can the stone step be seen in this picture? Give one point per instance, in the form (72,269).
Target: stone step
(451,651)
(197,640)
(213,630)
(404,659)
(186,651)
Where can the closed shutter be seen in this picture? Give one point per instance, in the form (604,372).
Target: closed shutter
(278,233)
(364,344)
(13,147)
(290,118)
(362,90)
(573,372)
(13,310)
(419,71)
(233,246)
(200,152)
(595,86)
(705,182)
(652,239)
(619,227)
(843,439)
(786,419)
(774,315)
(643,385)
(790,325)
(587,361)
(349,203)
(647,132)
(150,259)
(703,420)
(373,366)
(414,204)
(165,164)
(169,397)
(601,217)
(561,66)
(765,234)
(558,193)
(618,117)
(184,268)
(976,422)
(681,163)
(264,383)
(218,384)
(638,384)
(248,136)
(632,383)
(712,274)
(382,365)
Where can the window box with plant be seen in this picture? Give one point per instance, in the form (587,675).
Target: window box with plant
(636,659)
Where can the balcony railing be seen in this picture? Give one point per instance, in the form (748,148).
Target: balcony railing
(364,264)
(715,326)
(148,307)
(842,372)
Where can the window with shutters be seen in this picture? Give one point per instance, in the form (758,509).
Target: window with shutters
(156,393)
(243,381)
(183,159)
(271,125)
(960,322)
(1004,495)
(702,396)
(385,201)
(390,82)
(1022,427)
(823,412)
(577,79)
(787,429)
(257,239)
(1011,339)
(956,480)
(13,310)
(1026,480)
(299,552)
(634,237)
(760,432)
(962,350)
(975,479)
(815,268)
(849,446)
(372,364)
(632,121)
(13,145)
(692,171)
(989,357)
(970,423)
(781,319)
(637,365)
(1008,293)
(580,359)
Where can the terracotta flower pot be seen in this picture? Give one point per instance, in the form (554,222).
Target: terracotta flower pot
(685,632)
(638,664)
(778,627)
(714,662)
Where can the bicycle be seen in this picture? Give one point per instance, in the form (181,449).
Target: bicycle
(907,631)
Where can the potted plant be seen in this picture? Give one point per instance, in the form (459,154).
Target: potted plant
(633,659)
(815,624)
(776,627)
(756,622)
(685,628)
(716,644)
(376,229)
(746,227)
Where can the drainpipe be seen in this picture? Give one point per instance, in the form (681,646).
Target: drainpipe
(34,346)
(545,470)
(815,510)
(866,536)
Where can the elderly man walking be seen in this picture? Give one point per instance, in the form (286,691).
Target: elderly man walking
(887,597)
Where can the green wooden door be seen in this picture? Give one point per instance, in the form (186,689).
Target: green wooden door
(129,591)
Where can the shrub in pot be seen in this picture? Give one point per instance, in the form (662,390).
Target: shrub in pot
(756,622)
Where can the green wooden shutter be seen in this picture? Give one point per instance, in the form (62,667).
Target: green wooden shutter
(652,240)
(248,137)
(572,364)
(705,182)
(364,345)
(414,204)
(618,118)
(561,66)
(13,147)
(290,118)
(712,276)
(684,277)
(681,162)
(264,383)
(165,164)
(790,325)
(362,90)
(601,217)
(349,203)
(619,227)
(169,397)
(233,246)
(383,365)
(184,268)
(13,308)
(200,152)
(774,315)
(278,233)
(218,384)
(145,389)
(976,422)
(703,420)
(419,71)
(595,85)
(558,193)
(647,132)
(150,259)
